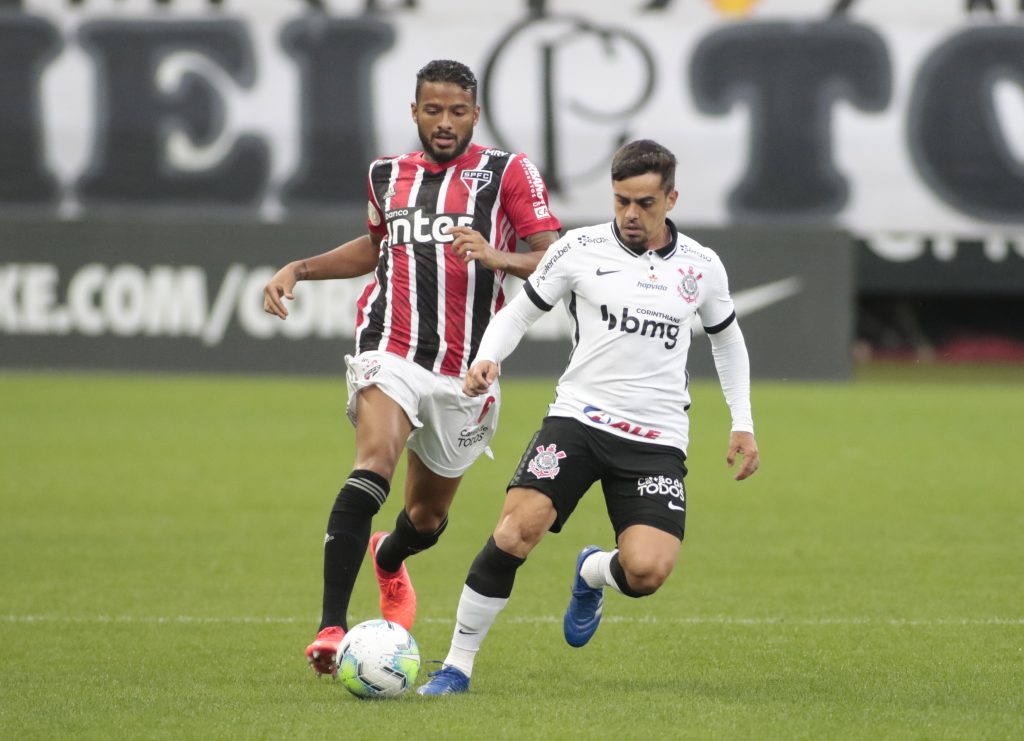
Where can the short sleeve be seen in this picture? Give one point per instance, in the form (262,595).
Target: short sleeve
(716,309)
(553,277)
(524,198)
(374,214)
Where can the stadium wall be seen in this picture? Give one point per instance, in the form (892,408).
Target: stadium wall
(186,296)
(899,124)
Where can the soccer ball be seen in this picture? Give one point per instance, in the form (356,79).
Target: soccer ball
(378,659)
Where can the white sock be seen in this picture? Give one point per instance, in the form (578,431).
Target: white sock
(597,570)
(475,616)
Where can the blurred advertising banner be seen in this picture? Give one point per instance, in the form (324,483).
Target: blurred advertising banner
(870,114)
(187,297)
(900,122)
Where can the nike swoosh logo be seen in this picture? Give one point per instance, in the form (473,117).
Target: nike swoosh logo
(607,272)
(673,505)
(755,299)
(468,632)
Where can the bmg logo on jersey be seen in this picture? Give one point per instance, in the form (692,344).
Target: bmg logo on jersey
(411,225)
(667,330)
(663,486)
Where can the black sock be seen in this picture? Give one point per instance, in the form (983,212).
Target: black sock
(619,575)
(404,541)
(348,533)
(493,571)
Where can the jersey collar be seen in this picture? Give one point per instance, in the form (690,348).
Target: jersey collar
(663,252)
(472,150)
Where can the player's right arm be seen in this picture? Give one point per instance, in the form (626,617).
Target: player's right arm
(500,338)
(350,260)
(541,291)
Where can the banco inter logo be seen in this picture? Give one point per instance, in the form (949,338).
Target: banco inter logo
(411,225)
(655,325)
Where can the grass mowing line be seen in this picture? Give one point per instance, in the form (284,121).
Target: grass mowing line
(523,619)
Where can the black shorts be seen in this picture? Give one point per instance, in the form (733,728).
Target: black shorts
(642,482)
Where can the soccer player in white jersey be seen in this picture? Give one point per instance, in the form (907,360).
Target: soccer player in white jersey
(632,287)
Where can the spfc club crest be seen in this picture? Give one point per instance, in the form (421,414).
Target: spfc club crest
(545,464)
(689,286)
(476,180)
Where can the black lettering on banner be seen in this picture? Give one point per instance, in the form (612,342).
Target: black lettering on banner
(26,45)
(788,75)
(953,127)
(130,162)
(338,140)
(552,38)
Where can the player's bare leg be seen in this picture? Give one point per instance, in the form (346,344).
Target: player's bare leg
(638,567)
(381,431)
(647,556)
(417,527)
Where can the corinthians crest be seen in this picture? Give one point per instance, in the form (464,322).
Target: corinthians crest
(545,464)
(689,287)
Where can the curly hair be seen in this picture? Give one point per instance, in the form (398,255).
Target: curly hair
(447,70)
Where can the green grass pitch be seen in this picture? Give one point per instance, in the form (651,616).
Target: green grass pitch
(161,548)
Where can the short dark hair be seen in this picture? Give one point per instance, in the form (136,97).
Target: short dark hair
(447,70)
(642,156)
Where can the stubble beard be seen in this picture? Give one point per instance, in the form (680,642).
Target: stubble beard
(461,145)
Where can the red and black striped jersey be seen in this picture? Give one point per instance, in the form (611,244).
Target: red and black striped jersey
(424,303)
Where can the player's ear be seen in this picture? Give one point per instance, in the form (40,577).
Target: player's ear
(476,115)
(413,111)
(672,199)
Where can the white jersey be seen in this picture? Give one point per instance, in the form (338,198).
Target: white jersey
(632,313)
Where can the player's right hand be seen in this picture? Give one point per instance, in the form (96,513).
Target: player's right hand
(480,377)
(279,288)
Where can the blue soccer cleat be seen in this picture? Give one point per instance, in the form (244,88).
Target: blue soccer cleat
(445,681)
(583,614)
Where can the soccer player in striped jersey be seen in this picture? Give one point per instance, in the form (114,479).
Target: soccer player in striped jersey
(632,287)
(442,226)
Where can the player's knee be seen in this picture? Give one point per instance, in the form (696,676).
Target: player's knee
(426,517)
(424,532)
(522,526)
(646,573)
(518,536)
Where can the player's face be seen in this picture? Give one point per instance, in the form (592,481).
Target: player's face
(445,115)
(641,205)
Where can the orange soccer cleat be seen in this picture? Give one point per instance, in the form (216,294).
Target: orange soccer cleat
(322,652)
(397,597)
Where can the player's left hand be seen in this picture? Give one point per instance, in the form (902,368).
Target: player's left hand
(470,245)
(744,445)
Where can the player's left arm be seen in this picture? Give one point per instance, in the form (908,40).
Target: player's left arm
(732,362)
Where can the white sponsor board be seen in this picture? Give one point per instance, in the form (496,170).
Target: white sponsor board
(568,83)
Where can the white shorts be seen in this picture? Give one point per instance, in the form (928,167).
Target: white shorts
(450,429)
